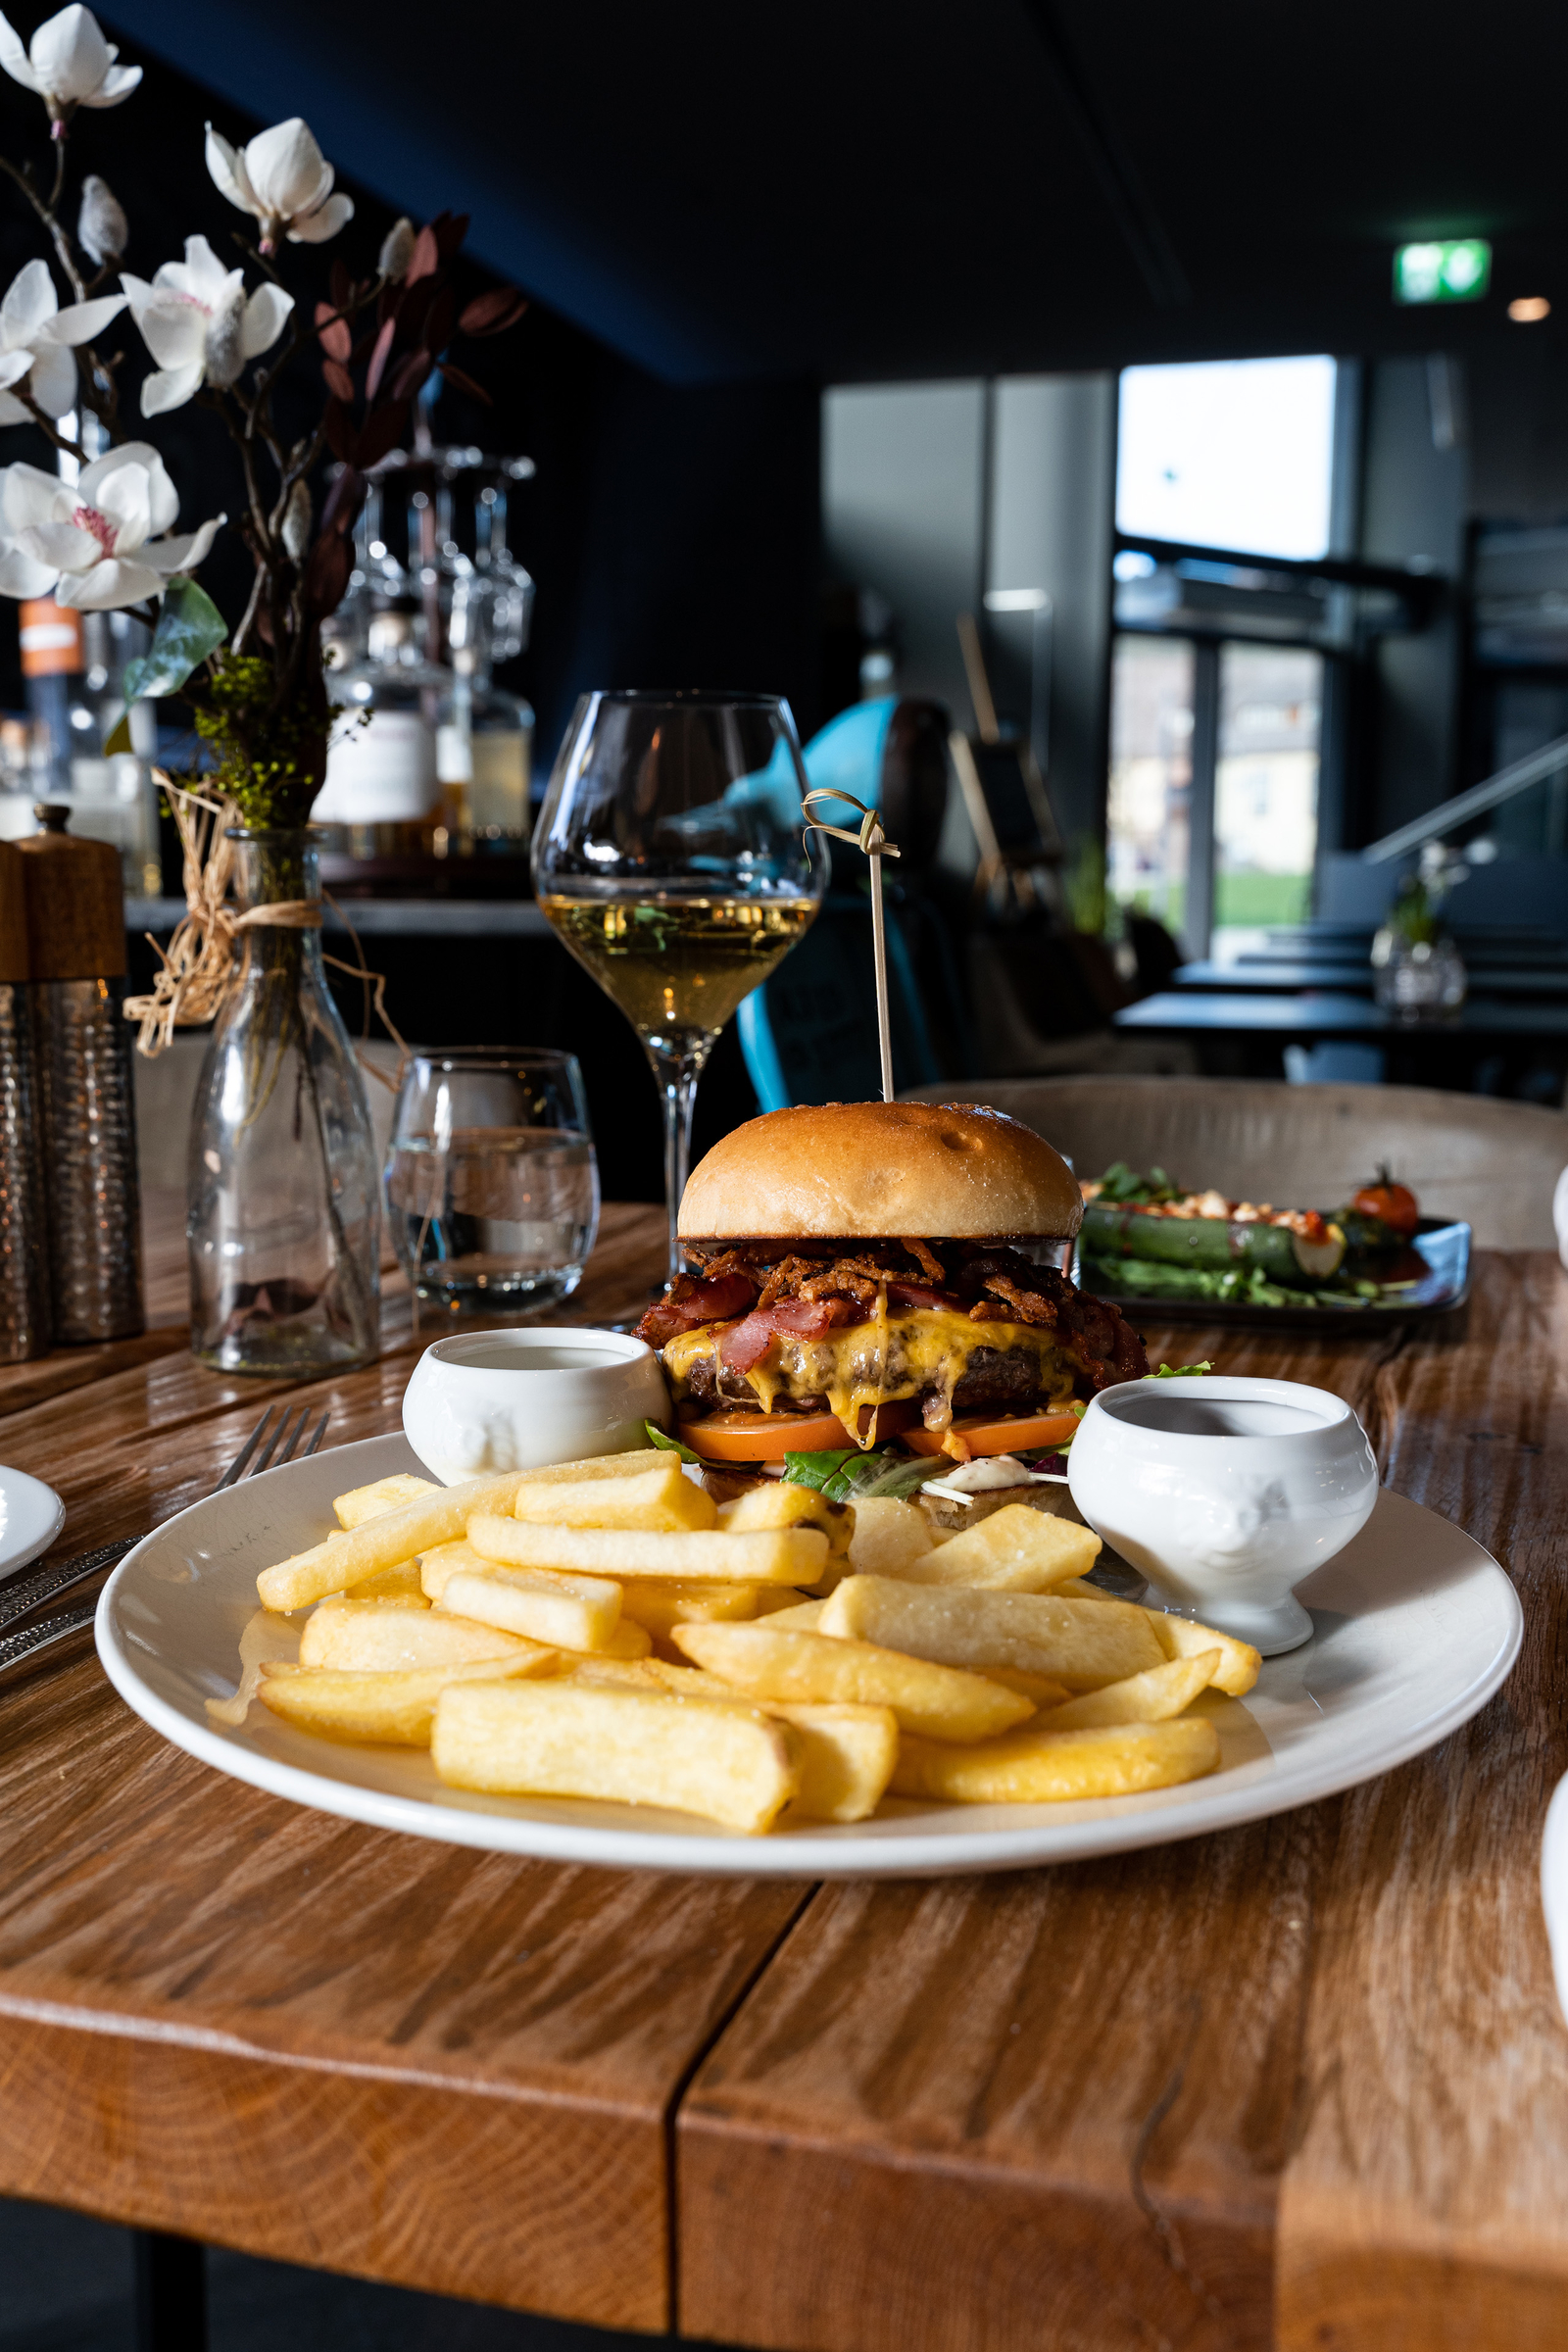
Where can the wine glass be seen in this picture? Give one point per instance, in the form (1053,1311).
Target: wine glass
(669,856)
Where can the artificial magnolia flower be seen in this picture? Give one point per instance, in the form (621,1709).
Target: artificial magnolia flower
(68,64)
(102,230)
(397,251)
(99,533)
(282,178)
(198,324)
(35,336)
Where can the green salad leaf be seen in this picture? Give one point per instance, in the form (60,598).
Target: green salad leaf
(657,1437)
(1120,1184)
(851,1476)
(1178,1371)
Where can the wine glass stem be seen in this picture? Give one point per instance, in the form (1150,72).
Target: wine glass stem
(677,1075)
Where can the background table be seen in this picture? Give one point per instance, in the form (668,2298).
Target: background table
(1303,2083)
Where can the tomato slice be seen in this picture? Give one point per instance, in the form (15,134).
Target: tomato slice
(992,1433)
(769,1437)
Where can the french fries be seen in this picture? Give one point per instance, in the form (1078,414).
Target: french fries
(385,1494)
(888,1537)
(638,1747)
(385,1636)
(661,1499)
(1015,1550)
(1043,1767)
(777,1504)
(385,1710)
(807,1669)
(1180,1638)
(1082,1644)
(345,1560)
(572,1612)
(1153,1696)
(602,1630)
(793,1555)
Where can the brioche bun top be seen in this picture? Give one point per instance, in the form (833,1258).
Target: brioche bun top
(872,1171)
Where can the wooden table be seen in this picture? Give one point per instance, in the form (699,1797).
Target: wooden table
(1303,2083)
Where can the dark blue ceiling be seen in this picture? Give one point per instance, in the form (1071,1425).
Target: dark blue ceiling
(848,188)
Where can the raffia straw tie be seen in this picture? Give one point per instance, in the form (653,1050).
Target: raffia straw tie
(287,914)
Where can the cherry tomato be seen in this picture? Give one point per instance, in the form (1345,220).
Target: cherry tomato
(1393,1204)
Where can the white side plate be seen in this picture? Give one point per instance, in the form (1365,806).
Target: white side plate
(32,1515)
(1416,1625)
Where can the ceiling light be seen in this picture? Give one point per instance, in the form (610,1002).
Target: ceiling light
(1529,307)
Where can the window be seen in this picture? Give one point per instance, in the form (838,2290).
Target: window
(1229,454)
(1150,776)
(1266,789)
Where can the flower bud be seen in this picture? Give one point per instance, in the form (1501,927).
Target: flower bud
(102,229)
(297,521)
(396,250)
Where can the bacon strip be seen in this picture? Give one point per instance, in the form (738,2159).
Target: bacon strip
(921,1293)
(746,1343)
(688,1303)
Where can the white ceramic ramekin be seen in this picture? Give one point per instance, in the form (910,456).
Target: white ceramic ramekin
(1226,1493)
(516,1400)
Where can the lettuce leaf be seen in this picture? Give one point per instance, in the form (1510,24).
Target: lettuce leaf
(657,1437)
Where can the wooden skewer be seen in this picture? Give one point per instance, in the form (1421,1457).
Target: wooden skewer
(874,842)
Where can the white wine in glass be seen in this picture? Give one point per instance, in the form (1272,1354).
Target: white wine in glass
(669,856)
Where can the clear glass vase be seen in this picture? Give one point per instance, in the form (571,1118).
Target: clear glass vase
(284,1213)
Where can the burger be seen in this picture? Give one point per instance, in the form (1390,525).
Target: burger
(868,1272)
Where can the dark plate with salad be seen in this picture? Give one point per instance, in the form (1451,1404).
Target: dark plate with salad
(1170,1254)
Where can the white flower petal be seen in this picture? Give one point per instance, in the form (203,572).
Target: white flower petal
(14,58)
(14,365)
(287,169)
(28,495)
(53,383)
(11,411)
(89,484)
(125,500)
(316,227)
(170,388)
(175,333)
(201,274)
(185,553)
(30,299)
(108,586)
(227,168)
(70,55)
(265,315)
(115,86)
(22,574)
(63,544)
(79,321)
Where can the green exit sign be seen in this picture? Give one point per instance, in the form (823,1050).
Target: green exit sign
(1458,269)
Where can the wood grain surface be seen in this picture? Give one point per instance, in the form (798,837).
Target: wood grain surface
(1303,2083)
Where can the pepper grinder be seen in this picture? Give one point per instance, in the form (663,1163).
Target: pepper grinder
(76,942)
(25,1319)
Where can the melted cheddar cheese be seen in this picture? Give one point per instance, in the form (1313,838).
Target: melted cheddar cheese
(877,1362)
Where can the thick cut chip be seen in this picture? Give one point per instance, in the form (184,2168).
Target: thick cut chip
(361,1503)
(577,1738)
(889,1536)
(657,1607)
(1031,1768)
(386,1637)
(1043,1688)
(442,1562)
(601,1465)
(847,1758)
(801,1614)
(661,1498)
(346,1560)
(572,1612)
(398,1584)
(1080,1643)
(774,1503)
(1152,1696)
(771,1663)
(788,1556)
(1180,1638)
(385,1710)
(1015,1550)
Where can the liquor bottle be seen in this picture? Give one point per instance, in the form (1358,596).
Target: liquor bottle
(74,666)
(382,792)
(484,738)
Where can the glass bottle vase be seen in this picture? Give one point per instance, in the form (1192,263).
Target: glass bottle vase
(285,1211)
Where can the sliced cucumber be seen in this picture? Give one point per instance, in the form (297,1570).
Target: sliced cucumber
(1213,1242)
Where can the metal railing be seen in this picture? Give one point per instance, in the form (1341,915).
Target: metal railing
(1505,785)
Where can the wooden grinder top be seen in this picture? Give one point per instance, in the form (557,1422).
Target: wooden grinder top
(75,902)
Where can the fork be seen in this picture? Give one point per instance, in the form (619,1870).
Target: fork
(268,1438)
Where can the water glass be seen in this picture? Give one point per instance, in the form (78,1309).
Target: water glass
(492,1187)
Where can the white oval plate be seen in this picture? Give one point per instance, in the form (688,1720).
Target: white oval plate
(1416,1627)
(32,1515)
